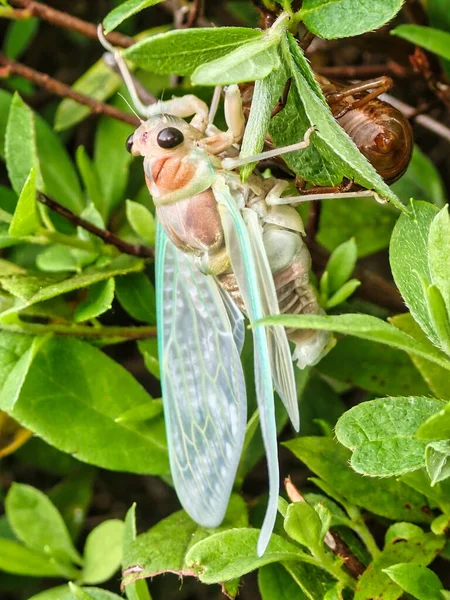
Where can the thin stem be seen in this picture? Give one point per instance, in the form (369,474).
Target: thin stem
(360,527)
(391,68)
(107,236)
(11,67)
(63,19)
(122,333)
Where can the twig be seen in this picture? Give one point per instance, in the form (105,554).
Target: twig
(422,65)
(11,67)
(62,19)
(195,12)
(125,333)
(107,236)
(331,539)
(391,68)
(424,120)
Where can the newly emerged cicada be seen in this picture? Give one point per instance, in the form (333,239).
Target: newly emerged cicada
(224,249)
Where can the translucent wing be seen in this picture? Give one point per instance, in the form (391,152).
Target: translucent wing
(236,319)
(243,263)
(203,385)
(279,351)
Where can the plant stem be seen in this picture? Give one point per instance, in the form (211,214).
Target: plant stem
(11,67)
(121,333)
(360,527)
(63,19)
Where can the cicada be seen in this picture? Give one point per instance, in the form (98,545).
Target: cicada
(224,249)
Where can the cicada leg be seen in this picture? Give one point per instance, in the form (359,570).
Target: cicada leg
(374,87)
(218,141)
(309,197)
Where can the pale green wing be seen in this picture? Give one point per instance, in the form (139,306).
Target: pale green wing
(242,260)
(203,385)
(279,351)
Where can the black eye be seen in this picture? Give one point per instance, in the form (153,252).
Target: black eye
(170,137)
(129,143)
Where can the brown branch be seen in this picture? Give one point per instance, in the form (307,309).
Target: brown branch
(11,67)
(62,19)
(421,64)
(332,539)
(391,68)
(107,236)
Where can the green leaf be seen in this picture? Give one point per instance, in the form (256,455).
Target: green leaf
(73,416)
(250,62)
(18,559)
(345,18)
(99,299)
(402,531)
(381,434)
(170,540)
(103,551)
(275,583)
(331,140)
(12,347)
(31,289)
(25,219)
(182,51)
(149,350)
(438,460)
(58,259)
(232,553)
(20,144)
(90,177)
(78,593)
(142,221)
(137,296)
(435,376)
(417,580)
(419,551)
(434,40)
(421,180)
(409,261)
(64,592)
(365,327)
(373,367)
(37,522)
(303,524)
(438,253)
(137,590)
(318,401)
(369,222)
(438,315)
(19,35)
(124,11)
(143,412)
(384,497)
(438,495)
(112,160)
(341,264)
(437,427)
(343,293)
(99,82)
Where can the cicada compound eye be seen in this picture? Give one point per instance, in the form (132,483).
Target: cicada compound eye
(129,143)
(170,137)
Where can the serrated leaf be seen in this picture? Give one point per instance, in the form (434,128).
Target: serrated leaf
(37,522)
(170,541)
(251,61)
(341,264)
(124,11)
(438,460)
(99,300)
(375,583)
(416,580)
(136,295)
(365,327)
(408,253)
(25,220)
(381,434)
(385,497)
(73,416)
(142,221)
(345,18)
(103,551)
(232,553)
(20,144)
(434,40)
(182,51)
(439,253)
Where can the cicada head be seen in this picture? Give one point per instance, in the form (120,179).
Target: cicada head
(162,135)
